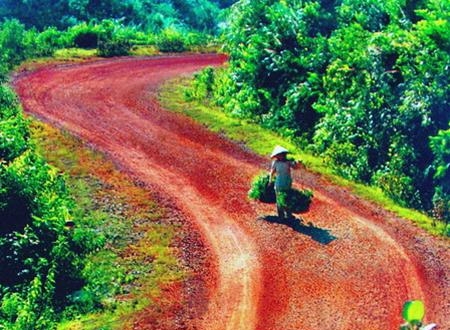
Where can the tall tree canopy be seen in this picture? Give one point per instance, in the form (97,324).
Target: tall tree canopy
(197,14)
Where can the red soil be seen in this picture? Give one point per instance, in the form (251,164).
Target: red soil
(349,265)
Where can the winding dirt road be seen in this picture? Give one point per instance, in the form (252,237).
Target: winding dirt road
(346,265)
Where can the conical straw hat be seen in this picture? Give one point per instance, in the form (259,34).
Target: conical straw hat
(278,150)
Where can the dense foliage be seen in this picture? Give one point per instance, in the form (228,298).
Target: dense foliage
(41,260)
(294,200)
(155,15)
(262,189)
(364,84)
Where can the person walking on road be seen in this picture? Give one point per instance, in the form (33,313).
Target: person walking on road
(281,171)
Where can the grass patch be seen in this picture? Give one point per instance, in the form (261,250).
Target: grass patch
(147,50)
(79,55)
(205,49)
(61,56)
(137,260)
(74,53)
(261,141)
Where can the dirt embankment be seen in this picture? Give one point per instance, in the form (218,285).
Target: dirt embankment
(345,265)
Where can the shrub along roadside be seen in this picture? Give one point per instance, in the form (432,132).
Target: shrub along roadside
(107,38)
(41,260)
(179,95)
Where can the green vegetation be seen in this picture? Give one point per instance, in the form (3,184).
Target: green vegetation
(362,84)
(262,189)
(413,313)
(32,29)
(102,268)
(41,260)
(148,15)
(106,39)
(294,200)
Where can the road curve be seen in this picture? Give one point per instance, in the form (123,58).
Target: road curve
(347,265)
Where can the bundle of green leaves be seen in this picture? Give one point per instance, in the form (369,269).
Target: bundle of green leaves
(297,201)
(294,200)
(262,190)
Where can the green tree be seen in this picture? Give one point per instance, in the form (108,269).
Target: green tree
(35,13)
(86,10)
(13,42)
(277,56)
(423,104)
(372,15)
(440,145)
(203,15)
(41,261)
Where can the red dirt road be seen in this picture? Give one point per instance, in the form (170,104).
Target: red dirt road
(349,265)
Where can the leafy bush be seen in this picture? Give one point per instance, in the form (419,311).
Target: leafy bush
(13,127)
(87,40)
(201,42)
(89,35)
(41,261)
(203,85)
(18,44)
(171,40)
(34,243)
(32,310)
(3,72)
(84,35)
(110,37)
(440,145)
(50,40)
(36,251)
(262,190)
(14,45)
(134,34)
(114,47)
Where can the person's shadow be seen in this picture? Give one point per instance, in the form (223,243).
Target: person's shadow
(322,236)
